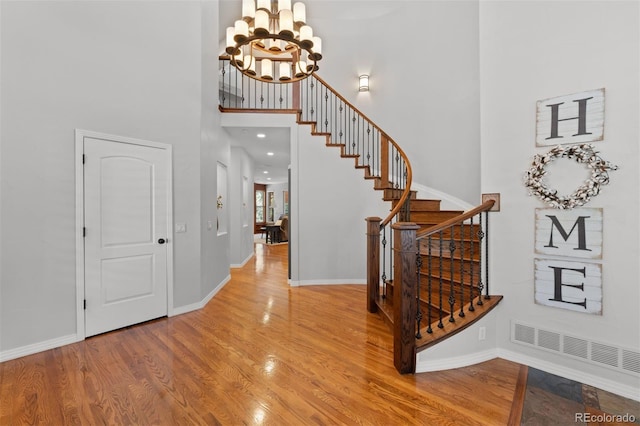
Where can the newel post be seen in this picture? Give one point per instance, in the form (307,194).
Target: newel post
(404,296)
(373,262)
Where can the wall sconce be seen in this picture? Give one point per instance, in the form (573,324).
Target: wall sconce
(364,83)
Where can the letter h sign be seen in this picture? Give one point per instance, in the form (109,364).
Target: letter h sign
(577,284)
(570,119)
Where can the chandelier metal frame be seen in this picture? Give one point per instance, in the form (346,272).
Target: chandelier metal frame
(276,37)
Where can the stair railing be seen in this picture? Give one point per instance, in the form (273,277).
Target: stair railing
(390,241)
(441,275)
(346,127)
(331,115)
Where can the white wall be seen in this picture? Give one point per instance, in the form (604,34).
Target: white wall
(530,51)
(241,205)
(422,58)
(214,249)
(329,202)
(126,68)
(332,200)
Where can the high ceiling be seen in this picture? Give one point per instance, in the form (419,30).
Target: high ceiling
(322,14)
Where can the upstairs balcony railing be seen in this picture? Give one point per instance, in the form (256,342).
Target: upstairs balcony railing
(330,115)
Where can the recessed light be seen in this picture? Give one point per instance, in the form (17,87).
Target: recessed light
(261,135)
(268,178)
(269,153)
(265,172)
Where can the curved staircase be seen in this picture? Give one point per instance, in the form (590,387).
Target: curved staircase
(429,278)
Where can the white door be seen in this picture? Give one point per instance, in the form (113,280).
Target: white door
(126,208)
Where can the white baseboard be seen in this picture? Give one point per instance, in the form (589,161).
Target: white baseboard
(244,262)
(38,347)
(456,362)
(199,305)
(572,374)
(302,283)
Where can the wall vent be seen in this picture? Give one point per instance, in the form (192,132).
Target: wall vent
(604,355)
(631,361)
(576,347)
(549,340)
(524,333)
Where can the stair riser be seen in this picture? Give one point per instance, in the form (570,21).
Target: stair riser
(422,205)
(433,216)
(395,194)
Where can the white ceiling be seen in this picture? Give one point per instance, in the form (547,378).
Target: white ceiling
(321,12)
(277,141)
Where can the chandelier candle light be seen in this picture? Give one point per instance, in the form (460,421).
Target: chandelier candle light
(273,43)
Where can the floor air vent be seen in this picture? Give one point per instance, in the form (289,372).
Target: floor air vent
(620,359)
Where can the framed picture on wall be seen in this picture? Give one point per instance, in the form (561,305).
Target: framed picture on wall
(285,201)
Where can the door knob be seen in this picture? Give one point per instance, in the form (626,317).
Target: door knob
(162,241)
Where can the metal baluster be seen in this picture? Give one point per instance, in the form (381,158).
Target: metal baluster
(369,144)
(326,109)
(452,298)
(235,100)
(440,324)
(418,271)
(393,173)
(243,80)
(398,174)
(255,93)
(429,287)
(384,261)
(480,238)
(471,264)
(342,110)
(486,254)
(223,99)
(262,95)
(461,256)
(355,133)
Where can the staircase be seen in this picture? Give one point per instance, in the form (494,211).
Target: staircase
(438,273)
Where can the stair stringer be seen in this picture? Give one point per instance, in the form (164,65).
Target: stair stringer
(467,346)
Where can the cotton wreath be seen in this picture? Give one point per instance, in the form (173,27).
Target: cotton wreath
(584,154)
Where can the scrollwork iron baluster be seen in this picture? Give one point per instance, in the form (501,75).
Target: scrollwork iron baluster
(452,299)
(418,276)
(461,260)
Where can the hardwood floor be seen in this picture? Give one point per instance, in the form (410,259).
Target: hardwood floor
(261,352)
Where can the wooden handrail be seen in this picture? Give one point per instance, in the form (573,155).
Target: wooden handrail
(407,190)
(385,138)
(460,218)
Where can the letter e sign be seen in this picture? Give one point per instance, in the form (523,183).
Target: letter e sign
(576,118)
(576,286)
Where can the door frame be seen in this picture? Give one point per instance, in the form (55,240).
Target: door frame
(80,135)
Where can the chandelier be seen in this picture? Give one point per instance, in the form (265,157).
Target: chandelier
(273,43)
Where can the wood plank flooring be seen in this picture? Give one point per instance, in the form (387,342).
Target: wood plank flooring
(260,353)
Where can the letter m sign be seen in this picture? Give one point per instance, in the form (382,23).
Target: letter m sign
(571,233)
(576,118)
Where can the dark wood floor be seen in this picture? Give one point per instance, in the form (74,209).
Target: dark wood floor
(261,352)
